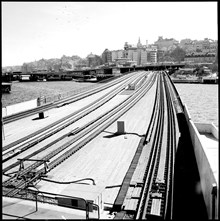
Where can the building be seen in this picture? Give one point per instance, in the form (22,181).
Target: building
(90,59)
(106,56)
(120,53)
(141,54)
(129,52)
(152,58)
(117,54)
(185,42)
(160,54)
(203,46)
(213,46)
(124,62)
(93,60)
(136,57)
(143,57)
(135,54)
(114,55)
(200,57)
(165,44)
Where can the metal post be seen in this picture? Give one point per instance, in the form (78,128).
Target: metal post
(21,165)
(36,202)
(3,132)
(45,167)
(87,210)
(214,195)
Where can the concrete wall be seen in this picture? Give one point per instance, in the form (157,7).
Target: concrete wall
(206,175)
(16,108)
(207,128)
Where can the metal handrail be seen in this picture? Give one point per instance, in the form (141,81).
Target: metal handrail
(61,195)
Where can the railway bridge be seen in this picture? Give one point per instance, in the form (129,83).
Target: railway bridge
(100,73)
(118,150)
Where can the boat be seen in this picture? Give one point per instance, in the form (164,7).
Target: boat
(25,77)
(210,80)
(90,78)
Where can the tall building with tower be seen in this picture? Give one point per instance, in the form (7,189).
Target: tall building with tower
(134,54)
(142,54)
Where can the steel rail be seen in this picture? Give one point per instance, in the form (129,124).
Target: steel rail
(70,121)
(172,148)
(117,112)
(148,177)
(164,204)
(148,138)
(106,116)
(69,99)
(84,141)
(59,162)
(160,205)
(85,110)
(121,197)
(176,98)
(149,132)
(154,186)
(66,117)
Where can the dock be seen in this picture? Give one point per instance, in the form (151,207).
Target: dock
(203,80)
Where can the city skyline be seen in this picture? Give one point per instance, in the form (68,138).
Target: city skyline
(35,30)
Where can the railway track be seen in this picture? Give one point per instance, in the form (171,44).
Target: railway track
(36,137)
(64,151)
(28,144)
(157,192)
(70,99)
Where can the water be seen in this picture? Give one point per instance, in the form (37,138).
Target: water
(25,91)
(201,101)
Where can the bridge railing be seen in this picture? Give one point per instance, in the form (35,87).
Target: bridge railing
(59,96)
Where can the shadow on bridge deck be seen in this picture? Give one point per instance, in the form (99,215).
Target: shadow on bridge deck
(188,199)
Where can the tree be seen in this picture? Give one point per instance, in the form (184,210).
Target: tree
(214,67)
(178,54)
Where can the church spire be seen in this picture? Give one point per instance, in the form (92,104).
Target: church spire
(139,43)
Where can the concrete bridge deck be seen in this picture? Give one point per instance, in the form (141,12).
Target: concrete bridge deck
(96,160)
(105,159)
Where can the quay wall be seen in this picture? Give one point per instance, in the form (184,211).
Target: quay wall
(16,108)
(195,81)
(186,81)
(206,174)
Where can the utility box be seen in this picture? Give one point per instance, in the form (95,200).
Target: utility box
(43,115)
(121,127)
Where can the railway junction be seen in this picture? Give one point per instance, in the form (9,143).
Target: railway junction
(107,153)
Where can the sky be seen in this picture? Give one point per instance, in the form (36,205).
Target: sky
(35,30)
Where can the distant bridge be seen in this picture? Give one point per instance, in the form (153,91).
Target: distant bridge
(100,73)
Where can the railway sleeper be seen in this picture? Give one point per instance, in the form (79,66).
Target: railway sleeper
(156,195)
(155,208)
